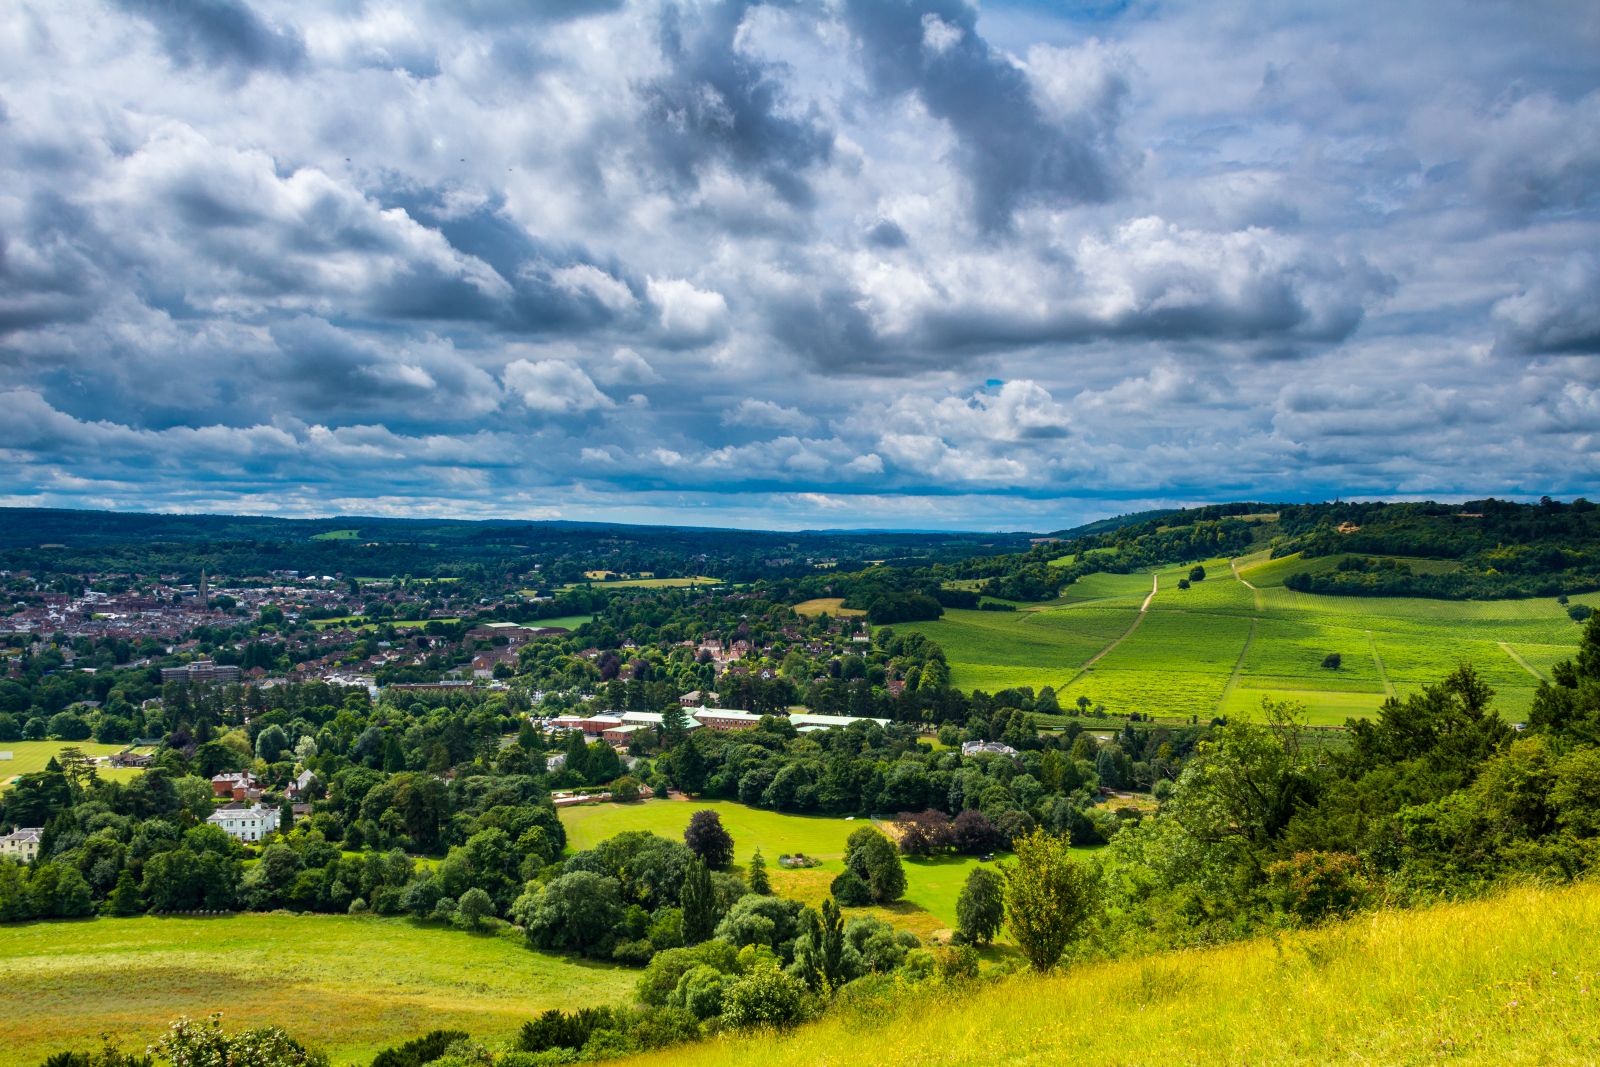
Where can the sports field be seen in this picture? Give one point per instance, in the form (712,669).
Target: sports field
(1223,644)
(352,985)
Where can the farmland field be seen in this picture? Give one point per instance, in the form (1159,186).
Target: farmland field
(1223,644)
(352,985)
(827,605)
(30,756)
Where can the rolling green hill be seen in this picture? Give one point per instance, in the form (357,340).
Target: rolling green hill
(1507,980)
(1220,646)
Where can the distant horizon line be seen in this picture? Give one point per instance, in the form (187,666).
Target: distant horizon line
(825,530)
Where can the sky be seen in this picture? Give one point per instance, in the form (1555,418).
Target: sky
(801,264)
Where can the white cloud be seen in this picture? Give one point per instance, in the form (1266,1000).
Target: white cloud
(689,316)
(554,386)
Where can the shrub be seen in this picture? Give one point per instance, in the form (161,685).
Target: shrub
(766,997)
(851,890)
(1332,661)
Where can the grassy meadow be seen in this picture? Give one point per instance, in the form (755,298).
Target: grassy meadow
(351,985)
(932,885)
(1220,646)
(1509,979)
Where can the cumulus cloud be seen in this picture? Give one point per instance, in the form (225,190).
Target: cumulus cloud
(768,415)
(689,316)
(219,33)
(554,387)
(709,260)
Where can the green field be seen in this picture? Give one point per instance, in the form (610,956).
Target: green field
(1505,980)
(352,985)
(932,886)
(337,535)
(358,622)
(566,622)
(1223,644)
(30,756)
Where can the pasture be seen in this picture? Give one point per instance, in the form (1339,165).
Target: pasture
(1220,646)
(349,984)
(337,535)
(932,885)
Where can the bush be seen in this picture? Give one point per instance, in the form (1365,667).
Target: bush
(766,997)
(1580,612)
(1313,886)
(1332,661)
(851,890)
(420,1050)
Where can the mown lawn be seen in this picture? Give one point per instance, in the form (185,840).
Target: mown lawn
(30,756)
(352,985)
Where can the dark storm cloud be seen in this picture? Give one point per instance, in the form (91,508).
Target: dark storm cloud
(1558,313)
(1010,152)
(219,33)
(718,104)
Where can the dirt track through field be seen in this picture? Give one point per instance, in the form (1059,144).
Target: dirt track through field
(1238,669)
(1377,661)
(1524,664)
(1233,565)
(1155,587)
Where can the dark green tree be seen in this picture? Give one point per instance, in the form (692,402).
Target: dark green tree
(707,839)
(759,882)
(981,907)
(699,902)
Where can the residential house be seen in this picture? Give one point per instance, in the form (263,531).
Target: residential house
(22,843)
(246,824)
(237,785)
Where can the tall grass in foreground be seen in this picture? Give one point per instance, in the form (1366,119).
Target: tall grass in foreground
(1511,979)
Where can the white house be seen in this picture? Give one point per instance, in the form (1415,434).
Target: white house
(22,843)
(246,824)
(978,748)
